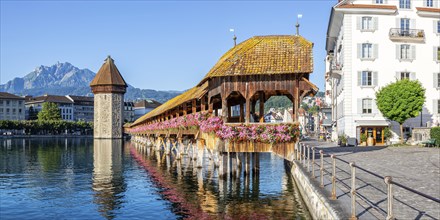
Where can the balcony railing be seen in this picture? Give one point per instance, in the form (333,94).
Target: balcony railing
(407,34)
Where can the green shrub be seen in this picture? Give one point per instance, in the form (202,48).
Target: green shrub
(363,138)
(387,133)
(435,134)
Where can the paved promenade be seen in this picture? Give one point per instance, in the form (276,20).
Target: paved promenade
(415,167)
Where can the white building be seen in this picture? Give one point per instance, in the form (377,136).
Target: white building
(64,104)
(144,106)
(11,107)
(371,43)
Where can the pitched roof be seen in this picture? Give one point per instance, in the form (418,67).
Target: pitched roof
(150,103)
(428,9)
(76,98)
(108,74)
(276,54)
(372,6)
(194,93)
(5,95)
(48,98)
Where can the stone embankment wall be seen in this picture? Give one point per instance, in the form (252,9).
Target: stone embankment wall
(316,199)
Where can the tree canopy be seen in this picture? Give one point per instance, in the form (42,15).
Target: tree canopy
(50,111)
(401,100)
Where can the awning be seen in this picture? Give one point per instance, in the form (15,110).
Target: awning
(372,123)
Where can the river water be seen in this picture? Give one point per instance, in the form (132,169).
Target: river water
(78,178)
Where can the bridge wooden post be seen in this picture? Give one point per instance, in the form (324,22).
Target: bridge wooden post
(167,146)
(241,111)
(200,151)
(233,164)
(247,163)
(225,110)
(193,106)
(248,111)
(261,97)
(179,148)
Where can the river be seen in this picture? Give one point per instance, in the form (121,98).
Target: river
(81,178)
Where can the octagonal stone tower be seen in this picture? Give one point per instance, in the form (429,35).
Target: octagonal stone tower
(109,88)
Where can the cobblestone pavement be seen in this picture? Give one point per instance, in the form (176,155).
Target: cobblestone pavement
(415,167)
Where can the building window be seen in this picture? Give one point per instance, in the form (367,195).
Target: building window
(437,54)
(367,106)
(367,51)
(405,53)
(405,4)
(438,106)
(367,78)
(429,3)
(404,26)
(7,102)
(367,23)
(19,110)
(7,111)
(405,75)
(437,27)
(379,1)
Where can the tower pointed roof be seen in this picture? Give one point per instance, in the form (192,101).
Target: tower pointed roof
(108,75)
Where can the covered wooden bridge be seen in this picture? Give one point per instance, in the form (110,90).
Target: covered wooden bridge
(244,78)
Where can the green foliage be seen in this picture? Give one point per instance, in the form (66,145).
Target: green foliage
(52,126)
(435,134)
(343,139)
(50,111)
(387,133)
(33,114)
(363,138)
(401,100)
(277,102)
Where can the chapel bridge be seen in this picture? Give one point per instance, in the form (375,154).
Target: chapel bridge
(245,77)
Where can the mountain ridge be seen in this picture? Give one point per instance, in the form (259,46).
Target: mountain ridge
(66,79)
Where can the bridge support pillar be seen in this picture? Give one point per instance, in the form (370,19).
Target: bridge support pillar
(200,151)
(223,165)
(256,163)
(167,146)
(234,164)
(247,163)
(215,158)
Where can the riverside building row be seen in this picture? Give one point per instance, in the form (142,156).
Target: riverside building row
(72,108)
(371,43)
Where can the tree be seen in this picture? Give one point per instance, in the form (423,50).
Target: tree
(401,100)
(32,113)
(50,111)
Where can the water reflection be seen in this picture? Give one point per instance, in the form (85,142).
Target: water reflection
(108,179)
(268,193)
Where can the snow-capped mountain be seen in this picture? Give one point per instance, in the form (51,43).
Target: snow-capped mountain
(66,79)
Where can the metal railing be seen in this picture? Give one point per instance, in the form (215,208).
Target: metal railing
(407,33)
(304,157)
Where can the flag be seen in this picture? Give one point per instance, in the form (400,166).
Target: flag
(300,15)
(231,30)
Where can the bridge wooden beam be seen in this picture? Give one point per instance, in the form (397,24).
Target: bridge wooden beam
(194,106)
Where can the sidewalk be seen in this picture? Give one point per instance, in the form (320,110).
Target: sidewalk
(415,167)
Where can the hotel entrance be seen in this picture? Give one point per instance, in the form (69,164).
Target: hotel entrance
(376,133)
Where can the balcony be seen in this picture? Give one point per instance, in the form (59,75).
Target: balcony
(413,35)
(335,69)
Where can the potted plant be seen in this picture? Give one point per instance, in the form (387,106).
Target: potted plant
(370,141)
(387,135)
(343,140)
(363,139)
(420,34)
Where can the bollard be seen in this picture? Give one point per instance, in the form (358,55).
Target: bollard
(388,180)
(333,177)
(313,162)
(308,158)
(322,168)
(353,191)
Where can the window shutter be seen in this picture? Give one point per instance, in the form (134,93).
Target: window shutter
(375,51)
(358,23)
(434,26)
(375,23)
(398,51)
(374,106)
(397,22)
(359,50)
(434,54)
(413,52)
(360,106)
(397,76)
(412,76)
(359,78)
(375,79)
(436,4)
(412,24)
(435,106)
(425,3)
(435,84)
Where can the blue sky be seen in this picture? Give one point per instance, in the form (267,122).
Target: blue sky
(168,45)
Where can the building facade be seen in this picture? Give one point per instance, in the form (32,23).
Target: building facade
(144,106)
(128,111)
(83,107)
(109,88)
(64,104)
(11,107)
(371,43)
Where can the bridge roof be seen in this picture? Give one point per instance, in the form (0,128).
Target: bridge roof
(194,93)
(266,55)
